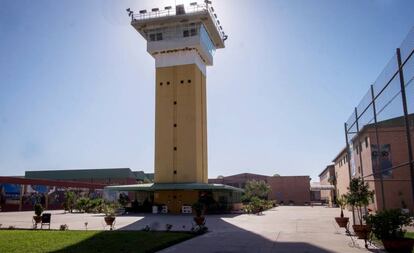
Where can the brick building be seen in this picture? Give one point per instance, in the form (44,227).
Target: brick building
(284,189)
(377,158)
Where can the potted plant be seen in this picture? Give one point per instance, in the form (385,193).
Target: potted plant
(342,221)
(109,215)
(387,226)
(198,209)
(359,196)
(38,210)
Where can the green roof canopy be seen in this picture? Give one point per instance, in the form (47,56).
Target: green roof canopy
(165,187)
(80,174)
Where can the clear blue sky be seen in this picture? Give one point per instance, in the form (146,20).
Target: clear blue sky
(77,86)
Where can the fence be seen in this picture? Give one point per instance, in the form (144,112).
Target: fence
(379,133)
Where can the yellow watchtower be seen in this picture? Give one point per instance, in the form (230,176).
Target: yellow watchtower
(182,41)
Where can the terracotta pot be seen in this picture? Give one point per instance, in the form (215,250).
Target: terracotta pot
(400,245)
(37,219)
(109,220)
(362,231)
(199,220)
(342,221)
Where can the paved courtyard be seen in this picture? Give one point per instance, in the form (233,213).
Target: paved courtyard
(282,229)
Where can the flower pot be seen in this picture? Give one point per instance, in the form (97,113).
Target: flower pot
(109,220)
(400,245)
(199,220)
(37,219)
(342,221)
(362,231)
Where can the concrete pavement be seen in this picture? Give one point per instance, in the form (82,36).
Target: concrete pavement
(288,229)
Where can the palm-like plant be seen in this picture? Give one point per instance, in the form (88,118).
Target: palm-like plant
(342,202)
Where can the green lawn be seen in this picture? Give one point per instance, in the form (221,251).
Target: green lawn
(87,241)
(409,235)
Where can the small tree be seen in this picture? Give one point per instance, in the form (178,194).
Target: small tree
(342,201)
(255,188)
(70,201)
(359,196)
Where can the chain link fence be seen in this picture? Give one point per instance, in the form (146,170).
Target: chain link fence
(380,133)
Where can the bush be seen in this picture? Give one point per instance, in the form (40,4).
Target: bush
(82,204)
(38,209)
(254,188)
(388,224)
(70,201)
(95,205)
(258,205)
(123,199)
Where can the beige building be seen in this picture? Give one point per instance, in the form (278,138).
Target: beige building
(328,178)
(341,172)
(284,189)
(384,167)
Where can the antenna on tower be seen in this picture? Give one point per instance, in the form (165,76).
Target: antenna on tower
(130,13)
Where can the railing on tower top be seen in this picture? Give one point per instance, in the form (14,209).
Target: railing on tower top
(192,9)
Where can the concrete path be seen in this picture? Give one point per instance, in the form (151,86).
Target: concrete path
(288,229)
(283,229)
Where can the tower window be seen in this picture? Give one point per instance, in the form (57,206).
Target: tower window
(160,83)
(175,102)
(189,81)
(168,83)
(182,81)
(175,148)
(175,172)
(155,36)
(175,125)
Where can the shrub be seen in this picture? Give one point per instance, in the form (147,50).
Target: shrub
(254,188)
(123,199)
(388,224)
(38,209)
(63,227)
(82,204)
(70,201)
(95,205)
(258,205)
(198,208)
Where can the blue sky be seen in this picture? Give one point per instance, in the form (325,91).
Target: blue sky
(77,86)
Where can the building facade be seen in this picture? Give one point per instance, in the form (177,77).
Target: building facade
(284,189)
(113,176)
(328,178)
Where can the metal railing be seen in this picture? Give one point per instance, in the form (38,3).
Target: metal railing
(192,9)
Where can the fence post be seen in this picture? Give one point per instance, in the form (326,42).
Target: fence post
(359,146)
(406,119)
(378,147)
(348,155)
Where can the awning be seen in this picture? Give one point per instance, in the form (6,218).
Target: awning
(172,186)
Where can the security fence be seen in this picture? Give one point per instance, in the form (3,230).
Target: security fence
(379,133)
